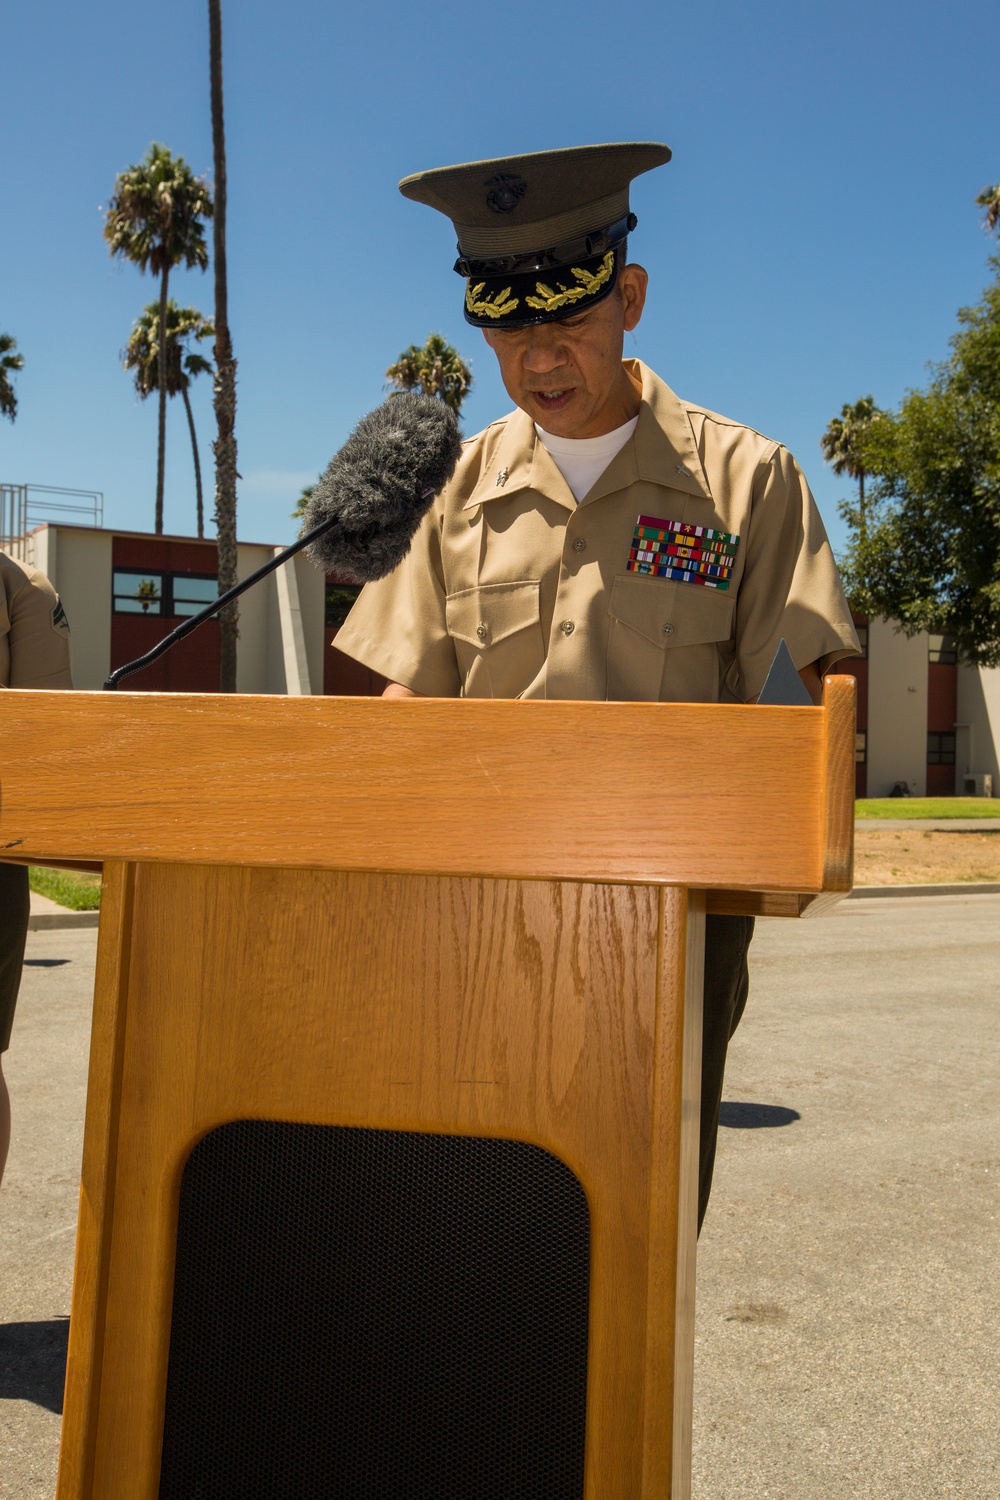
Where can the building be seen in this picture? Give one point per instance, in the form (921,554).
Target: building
(124,591)
(924,720)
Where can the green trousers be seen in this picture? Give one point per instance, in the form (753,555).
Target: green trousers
(726,984)
(14,907)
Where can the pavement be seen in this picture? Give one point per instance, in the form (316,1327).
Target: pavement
(847,1333)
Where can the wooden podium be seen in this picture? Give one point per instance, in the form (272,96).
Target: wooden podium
(458,925)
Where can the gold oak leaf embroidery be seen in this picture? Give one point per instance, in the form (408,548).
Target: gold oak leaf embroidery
(498,305)
(548,300)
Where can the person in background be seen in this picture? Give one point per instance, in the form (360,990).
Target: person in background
(34,653)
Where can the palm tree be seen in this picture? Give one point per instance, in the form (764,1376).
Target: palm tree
(224,446)
(989,199)
(437,369)
(10,361)
(154,220)
(142,354)
(843,446)
(302,502)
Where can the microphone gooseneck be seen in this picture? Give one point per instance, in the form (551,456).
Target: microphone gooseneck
(365,510)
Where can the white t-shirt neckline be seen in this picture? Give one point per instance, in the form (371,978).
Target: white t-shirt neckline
(582,461)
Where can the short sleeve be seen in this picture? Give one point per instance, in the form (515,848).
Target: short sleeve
(37,635)
(790,587)
(398,628)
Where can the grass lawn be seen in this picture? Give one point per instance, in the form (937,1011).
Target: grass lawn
(67,888)
(927,807)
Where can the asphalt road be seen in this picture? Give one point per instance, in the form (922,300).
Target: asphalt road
(847,1326)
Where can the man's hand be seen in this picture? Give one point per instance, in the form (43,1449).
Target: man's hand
(396,690)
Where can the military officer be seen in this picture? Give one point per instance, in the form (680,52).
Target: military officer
(606,539)
(34,653)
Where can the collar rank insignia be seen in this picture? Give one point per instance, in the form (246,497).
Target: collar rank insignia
(502,478)
(687,554)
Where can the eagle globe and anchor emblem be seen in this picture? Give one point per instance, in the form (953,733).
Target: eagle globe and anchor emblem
(506,191)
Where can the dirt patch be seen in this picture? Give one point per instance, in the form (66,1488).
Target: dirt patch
(914,856)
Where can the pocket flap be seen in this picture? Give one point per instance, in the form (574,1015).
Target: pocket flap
(672,614)
(490,613)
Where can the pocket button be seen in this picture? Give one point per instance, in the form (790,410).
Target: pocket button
(482,632)
(668,629)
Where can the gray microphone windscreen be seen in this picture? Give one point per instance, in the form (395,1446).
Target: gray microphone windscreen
(380,485)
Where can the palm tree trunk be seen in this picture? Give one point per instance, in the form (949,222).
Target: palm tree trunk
(224,385)
(161,448)
(197,463)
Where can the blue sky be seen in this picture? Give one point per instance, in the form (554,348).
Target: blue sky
(810,242)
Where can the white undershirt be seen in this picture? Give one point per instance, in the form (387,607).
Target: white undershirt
(582,461)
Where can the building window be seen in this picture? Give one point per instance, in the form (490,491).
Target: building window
(172,595)
(941,749)
(137,593)
(339,599)
(860,748)
(862,634)
(942,649)
(191,592)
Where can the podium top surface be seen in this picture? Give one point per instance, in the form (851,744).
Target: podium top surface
(750,798)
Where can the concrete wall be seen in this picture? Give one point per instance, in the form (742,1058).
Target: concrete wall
(978,724)
(77,561)
(897,710)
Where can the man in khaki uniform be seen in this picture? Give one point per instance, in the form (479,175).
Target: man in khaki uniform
(606,540)
(34,653)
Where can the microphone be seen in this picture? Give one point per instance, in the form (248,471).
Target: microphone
(367,507)
(378,488)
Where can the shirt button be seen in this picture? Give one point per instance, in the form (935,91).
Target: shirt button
(481,632)
(579,545)
(668,629)
(567,627)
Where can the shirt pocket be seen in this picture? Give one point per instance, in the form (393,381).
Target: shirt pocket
(665,639)
(497,631)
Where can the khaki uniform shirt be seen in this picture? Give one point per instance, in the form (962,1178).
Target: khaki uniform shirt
(513,590)
(34,632)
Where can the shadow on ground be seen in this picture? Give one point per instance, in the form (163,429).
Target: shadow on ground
(33,1362)
(741,1116)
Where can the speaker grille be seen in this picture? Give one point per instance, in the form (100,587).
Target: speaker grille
(376,1315)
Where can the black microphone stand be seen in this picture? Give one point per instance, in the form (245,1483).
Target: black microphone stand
(186,626)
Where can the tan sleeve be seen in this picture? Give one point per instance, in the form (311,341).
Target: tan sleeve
(790,586)
(37,634)
(397,627)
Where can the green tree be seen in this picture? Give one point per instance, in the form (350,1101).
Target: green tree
(183,364)
(437,370)
(842,445)
(10,361)
(155,220)
(224,446)
(303,500)
(989,199)
(930,557)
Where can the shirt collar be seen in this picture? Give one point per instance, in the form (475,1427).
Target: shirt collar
(662,451)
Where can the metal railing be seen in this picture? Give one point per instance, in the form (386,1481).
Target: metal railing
(26,506)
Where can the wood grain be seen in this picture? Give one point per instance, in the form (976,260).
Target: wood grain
(653,793)
(532,1010)
(840,708)
(85,1355)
